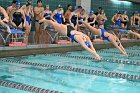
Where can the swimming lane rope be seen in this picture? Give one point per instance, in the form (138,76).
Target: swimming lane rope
(25,87)
(133,48)
(103,59)
(86,71)
(130,54)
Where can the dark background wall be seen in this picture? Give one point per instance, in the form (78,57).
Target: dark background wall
(110,7)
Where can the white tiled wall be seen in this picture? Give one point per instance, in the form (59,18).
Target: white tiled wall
(86,4)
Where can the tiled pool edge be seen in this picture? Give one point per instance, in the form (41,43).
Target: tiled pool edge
(40,49)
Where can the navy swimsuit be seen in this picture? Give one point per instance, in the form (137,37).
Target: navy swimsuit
(69,29)
(103,36)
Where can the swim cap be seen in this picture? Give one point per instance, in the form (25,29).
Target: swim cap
(91,12)
(47,5)
(59,6)
(75,8)
(87,44)
(136,12)
(124,11)
(80,7)
(17,4)
(29,2)
(14,1)
(100,8)
(117,11)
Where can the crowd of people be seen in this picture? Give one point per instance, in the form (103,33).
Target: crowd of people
(68,23)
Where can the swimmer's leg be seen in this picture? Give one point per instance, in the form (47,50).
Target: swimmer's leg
(134,33)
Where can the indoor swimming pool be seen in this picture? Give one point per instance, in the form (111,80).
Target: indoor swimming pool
(72,72)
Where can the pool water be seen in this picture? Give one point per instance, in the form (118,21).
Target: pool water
(69,81)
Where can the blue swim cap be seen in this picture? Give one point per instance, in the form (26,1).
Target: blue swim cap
(136,12)
(75,8)
(87,44)
(91,11)
(117,11)
(17,4)
(59,6)
(29,2)
(124,11)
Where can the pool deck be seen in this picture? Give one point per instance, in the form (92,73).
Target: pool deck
(56,48)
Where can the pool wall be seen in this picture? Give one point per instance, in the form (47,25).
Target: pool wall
(56,48)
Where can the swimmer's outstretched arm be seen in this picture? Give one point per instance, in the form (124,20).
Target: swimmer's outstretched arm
(123,49)
(87,24)
(120,47)
(117,40)
(88,39)
(92,51)
(50,22)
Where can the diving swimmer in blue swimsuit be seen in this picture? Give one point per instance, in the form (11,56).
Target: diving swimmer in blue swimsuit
(103,36)
(109,37)
(79,37)
(69,29)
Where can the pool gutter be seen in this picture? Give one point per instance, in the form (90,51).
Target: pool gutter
(56,48)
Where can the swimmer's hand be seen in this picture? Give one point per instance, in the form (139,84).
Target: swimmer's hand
(97,57)
(126,54)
